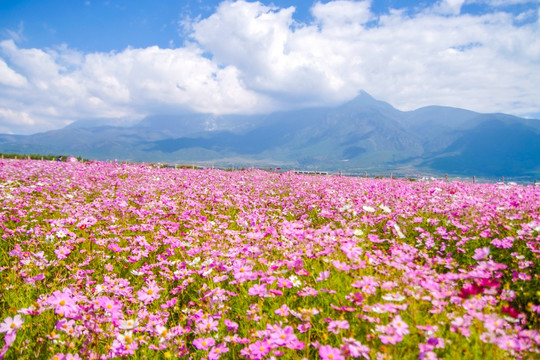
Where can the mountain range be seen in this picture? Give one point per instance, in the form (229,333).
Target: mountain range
(362,135)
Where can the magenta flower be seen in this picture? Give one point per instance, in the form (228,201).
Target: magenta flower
(258,290)
(283,282)
(109,305)
(355,349)
(231,325)
(207,325)
(62,252)
(149,293)
(341,266)
(216,351)
(63,303)
(328,352)
(10,325)
(283,310)
(204,343)
(257,350)
(400,327)
(337,325)
(285,337)
(323,275)
(481,253)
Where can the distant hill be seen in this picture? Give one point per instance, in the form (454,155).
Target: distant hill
(363,134)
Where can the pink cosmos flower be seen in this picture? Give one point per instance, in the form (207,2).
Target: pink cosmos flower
(341,266)
(231,325)
(63,302)
(109,305)
(35,278)
(62,252)
(216,351)
(207,325)
(258,290)
(257,350)
(204,343)
(11,325)
(354,348)
(149,293)
(400,326)
(283,310)
(285,337)
(337,325)
(283,282)
(481,253)
(323,275)
(390,339)
(302,328)
(328,352)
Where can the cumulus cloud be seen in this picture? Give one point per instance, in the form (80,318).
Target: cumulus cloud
(251,57)
(55,87)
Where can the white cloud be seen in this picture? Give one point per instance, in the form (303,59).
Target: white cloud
(342,13)
(9,77)
(250,57)
(62,85)
(452,7)
(497,3)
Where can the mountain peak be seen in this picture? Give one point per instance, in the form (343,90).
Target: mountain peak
(364,100)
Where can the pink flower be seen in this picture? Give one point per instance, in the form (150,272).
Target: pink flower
(216,351)
(400,326)
(323,275)
(354,348)
(62,252)
(204,343)
(481,253)
(341,266)
(258,290)
(207,325)
(281,336)
(149,293)
(283,282)
(257,350)
(63,303)
(328,352)
(304,327)
(231,325)
(337,325)
(283,310)
(109,305)
(390,339)
(11,325)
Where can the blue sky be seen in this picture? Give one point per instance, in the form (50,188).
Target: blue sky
(65,60)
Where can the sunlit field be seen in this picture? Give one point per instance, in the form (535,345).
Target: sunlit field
(103,260)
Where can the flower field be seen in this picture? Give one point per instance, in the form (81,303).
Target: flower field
(103,260)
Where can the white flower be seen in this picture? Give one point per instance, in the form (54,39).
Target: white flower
(128,324)
(368,208)
(358,232)
(125,338)
(295,281)
(398,230)
(393,297)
